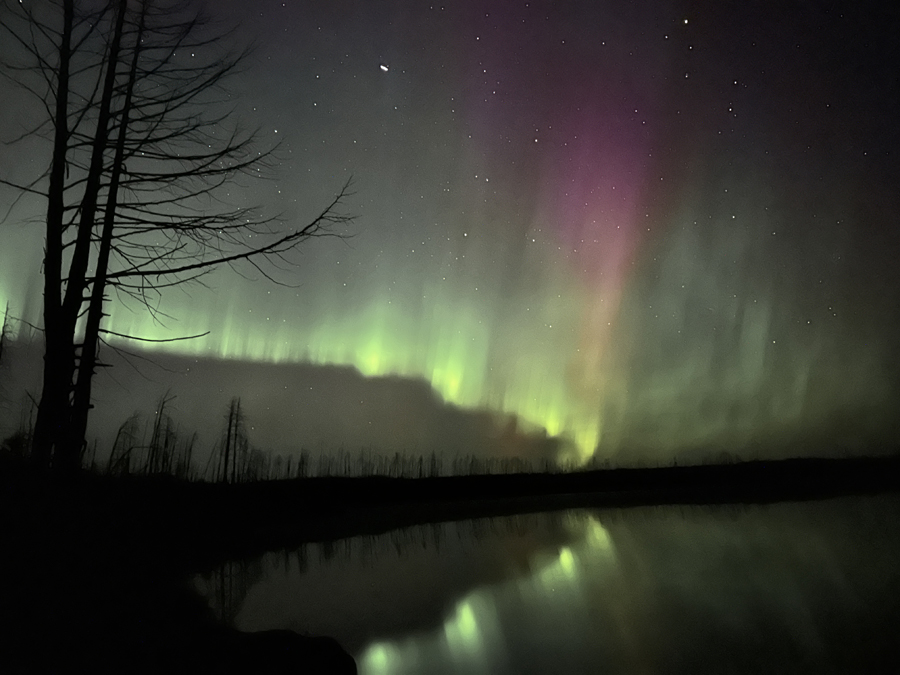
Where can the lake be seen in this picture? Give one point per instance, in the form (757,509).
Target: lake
(806,587)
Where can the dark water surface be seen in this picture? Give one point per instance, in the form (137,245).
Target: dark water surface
(810,587)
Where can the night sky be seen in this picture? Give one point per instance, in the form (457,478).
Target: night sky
(643,227)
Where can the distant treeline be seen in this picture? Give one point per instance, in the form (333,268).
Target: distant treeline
(156,444)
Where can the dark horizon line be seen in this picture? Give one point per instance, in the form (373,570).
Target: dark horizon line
(202,524)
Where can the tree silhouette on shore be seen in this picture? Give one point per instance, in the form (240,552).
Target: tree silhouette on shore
(143,142)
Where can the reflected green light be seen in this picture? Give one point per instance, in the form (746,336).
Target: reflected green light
(561,574)
(462,632)
(567,561)
(379,659)
(473,637)
(596,537)
(470,639)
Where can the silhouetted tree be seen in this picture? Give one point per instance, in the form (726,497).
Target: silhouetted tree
(127,439)
(142,138)
(234,457)
(163,438)
(4,337)
(4,332)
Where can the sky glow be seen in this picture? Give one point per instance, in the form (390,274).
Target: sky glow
(643,230)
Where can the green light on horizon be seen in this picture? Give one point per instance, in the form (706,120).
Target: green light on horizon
(460,350)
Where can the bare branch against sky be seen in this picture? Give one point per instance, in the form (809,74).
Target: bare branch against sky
(143,144)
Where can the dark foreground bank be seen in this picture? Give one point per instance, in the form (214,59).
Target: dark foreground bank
(95,570)
(95,577)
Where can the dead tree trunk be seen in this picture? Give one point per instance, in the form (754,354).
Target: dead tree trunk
(81,404)
(59,357)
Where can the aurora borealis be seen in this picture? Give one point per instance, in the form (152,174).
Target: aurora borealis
(645,228)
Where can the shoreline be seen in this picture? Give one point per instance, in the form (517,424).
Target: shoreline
(98,567)
(199,524)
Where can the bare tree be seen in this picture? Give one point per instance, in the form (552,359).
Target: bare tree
(144,140)
(4,332)
(233,464)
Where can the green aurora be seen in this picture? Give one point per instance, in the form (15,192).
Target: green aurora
(576,234)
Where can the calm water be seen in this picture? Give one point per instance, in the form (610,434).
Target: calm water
(795,588)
